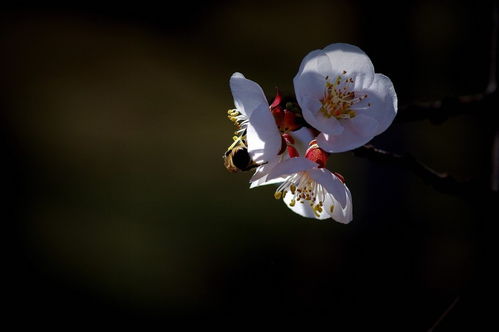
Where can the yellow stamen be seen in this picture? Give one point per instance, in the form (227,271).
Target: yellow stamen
(338,99)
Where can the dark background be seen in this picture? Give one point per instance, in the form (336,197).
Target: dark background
(118,207)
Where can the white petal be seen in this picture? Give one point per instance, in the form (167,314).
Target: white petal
(304,209)
(263,182)
(248,95)
(291,166)
(356,63)
(302,137)
(309,89)
(383,102)
(316,61)
(263,137)
(356,132)
(331,184)
(343,214)
(337,195)
(309,85)
(262,172)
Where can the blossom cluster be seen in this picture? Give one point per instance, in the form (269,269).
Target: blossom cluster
(341,104)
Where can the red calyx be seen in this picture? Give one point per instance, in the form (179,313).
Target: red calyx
(339,176)
(288,139)
(290,122)
(287,144)
(317,155)
(277,99)
(278,114)
(284,144)
(286,120)
(292,152)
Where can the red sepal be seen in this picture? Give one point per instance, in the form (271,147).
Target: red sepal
(277,99)
(339,176)
(292,152)
(317,155)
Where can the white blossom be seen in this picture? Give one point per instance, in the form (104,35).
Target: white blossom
(312,191)
(255,121)
(341,96)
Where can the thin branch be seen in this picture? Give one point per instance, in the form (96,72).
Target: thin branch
(492,88)
(492,85)
(442,182)
(446,312)
(494,178)
(439,111)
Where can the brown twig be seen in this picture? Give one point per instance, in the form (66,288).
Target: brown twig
(492,85)
(442,182)
(446,312)
(439,111)
(492,88)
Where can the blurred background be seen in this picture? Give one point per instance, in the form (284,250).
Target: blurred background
(118,206)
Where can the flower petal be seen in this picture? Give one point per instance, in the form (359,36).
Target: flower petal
(291,166)
(316,61)
(248,95)
(341,214)
(309,85)
(356,132)
(331,183)
(382,98)
(338,200)
(356,63)
(304,209)
(302,137)
(261,174)
(263,182)
(263,136)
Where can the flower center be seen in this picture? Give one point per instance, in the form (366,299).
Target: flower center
(338,98)
(304,190)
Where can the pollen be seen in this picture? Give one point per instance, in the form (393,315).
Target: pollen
(317,209)
(304,190)
(240,121)
(339,98)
